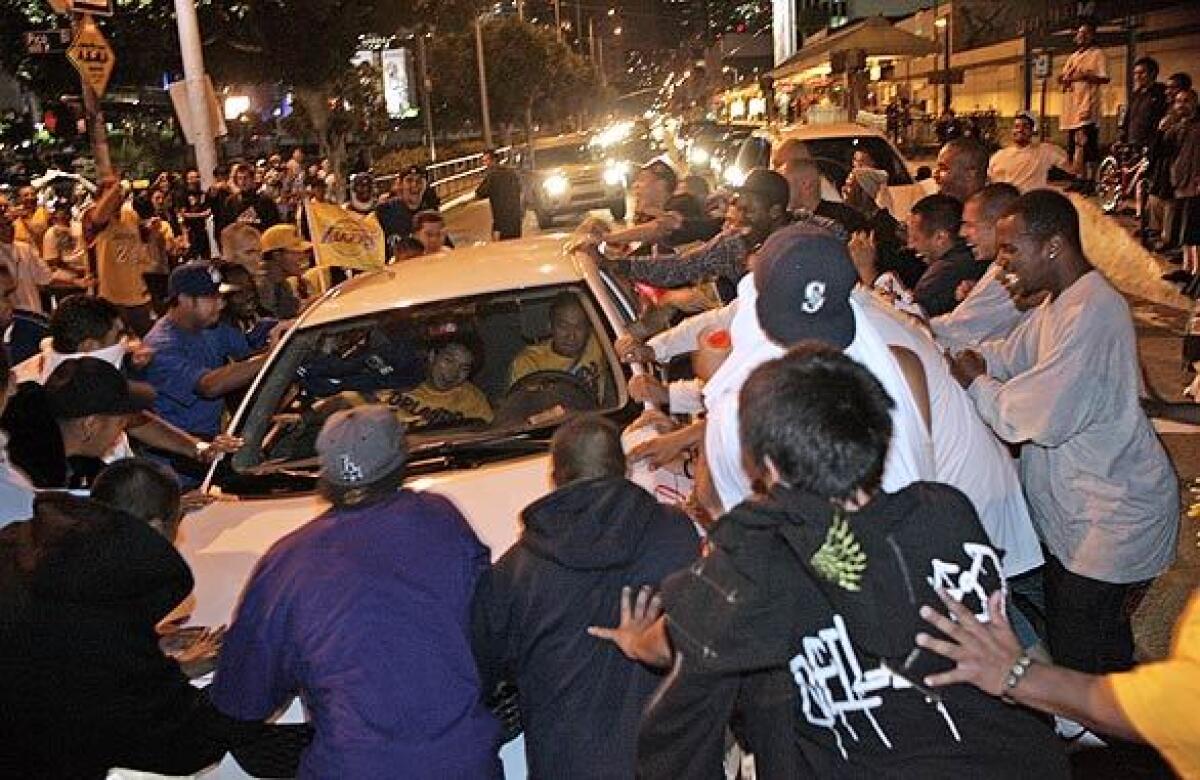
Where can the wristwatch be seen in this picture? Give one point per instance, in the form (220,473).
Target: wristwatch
(1018,671)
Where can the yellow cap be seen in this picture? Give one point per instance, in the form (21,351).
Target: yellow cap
(284,237)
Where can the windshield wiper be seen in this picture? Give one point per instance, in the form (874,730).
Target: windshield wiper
(500,443)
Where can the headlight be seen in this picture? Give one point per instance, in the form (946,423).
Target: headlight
(555,185)
(735,176)
(698,156)
(615,173)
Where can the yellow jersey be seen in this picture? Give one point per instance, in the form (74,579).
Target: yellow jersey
(456,406)
(590,366)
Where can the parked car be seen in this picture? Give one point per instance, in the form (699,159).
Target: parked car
(832,147)
(361,342)
(570,175)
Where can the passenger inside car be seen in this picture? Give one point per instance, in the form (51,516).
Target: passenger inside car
(571,349)
(447,397)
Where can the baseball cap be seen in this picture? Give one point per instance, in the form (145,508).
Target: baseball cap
(804,278)
(199,280)
(1028,117)
(87,385)
(359,446)
(284,237)
(768,185)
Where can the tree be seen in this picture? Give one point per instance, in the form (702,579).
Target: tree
(532,77)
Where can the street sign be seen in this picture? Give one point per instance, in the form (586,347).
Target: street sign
(1041,66)
(47,41)
(92,57)
(94,7)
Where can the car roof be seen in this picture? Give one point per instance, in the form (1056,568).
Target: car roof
(455,273)
(833,130)
(564,139)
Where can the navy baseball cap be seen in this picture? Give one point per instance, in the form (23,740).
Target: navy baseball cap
(199,280)
(804,278)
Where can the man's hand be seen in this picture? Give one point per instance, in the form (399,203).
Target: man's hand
(194,500)
(636,617)
(967,366)
(630,349)
(222,444)
(963,289)
(644,388)
(139,354)
(278,332)
(661,450)
(865,256)
(983,653)
(200,657)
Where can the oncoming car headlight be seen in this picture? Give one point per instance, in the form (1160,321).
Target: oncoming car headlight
(555,184)
(615,173)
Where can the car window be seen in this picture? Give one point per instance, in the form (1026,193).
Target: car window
(755,153)
(841,150)
(486,368)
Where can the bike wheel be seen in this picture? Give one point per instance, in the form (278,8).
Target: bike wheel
(1108,184)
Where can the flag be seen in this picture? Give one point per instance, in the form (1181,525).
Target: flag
(345,239)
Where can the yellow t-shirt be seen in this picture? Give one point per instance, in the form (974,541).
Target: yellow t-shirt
(121,259)
(1162,700)
(30,229)
(458,405)
(590,366)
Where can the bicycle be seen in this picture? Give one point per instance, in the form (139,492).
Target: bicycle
(1121,177)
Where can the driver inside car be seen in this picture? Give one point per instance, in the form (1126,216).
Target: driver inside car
(447,397)
(571,349)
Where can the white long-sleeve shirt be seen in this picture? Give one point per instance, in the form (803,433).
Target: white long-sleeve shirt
(1100,487)
(986,313)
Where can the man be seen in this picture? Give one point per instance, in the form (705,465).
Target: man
(502,187)
(31,218)
(1101,489)
(447,397)
(241,245)
(247,204)
(429,227)
(195,211)
(933,233)
(59,432)
(21,331)
(762,202)
(1084,72)
(961,169)
(662,217)
(597,532)
(362,195)
(1154,703)
(410,195)
(190,374)
(243,319)
(125,249)
(62,243)
(86,582)
(1147,105)
(802,616)
(374,637)
(861,193)
(1026,164)
(28,269)
(16,492)
(805,181)
(283,291)
(987,312)
(571,349)
(218,197)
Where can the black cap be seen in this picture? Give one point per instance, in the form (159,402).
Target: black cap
(804,278)
(87,385)
(768,185)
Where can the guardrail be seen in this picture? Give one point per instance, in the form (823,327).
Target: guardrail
(451,178)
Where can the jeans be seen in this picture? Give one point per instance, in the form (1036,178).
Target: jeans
(1087,620)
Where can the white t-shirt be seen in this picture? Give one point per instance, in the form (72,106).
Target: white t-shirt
(29,271)
(1028,167)
(1081,101)
(967,455)
(987,313)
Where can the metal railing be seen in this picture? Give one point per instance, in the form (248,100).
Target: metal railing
(451,178)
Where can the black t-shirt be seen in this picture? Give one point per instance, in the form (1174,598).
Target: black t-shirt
(255,209)
(937,288)
(844,215)
(793,590)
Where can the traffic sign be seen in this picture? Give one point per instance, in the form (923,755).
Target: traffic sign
(92,57)
(94,7)
(1041,66)
(47,41)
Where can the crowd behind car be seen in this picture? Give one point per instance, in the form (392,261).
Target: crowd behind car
(925,496)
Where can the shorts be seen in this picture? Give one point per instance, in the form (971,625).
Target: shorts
(1091,151)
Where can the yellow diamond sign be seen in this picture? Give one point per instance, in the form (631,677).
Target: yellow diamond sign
(92,57)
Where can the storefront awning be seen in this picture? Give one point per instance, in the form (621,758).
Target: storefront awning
(875,36)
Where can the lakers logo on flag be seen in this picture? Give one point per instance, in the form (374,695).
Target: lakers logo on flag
(345,239)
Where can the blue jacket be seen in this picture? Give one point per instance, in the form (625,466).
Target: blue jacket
(363,613)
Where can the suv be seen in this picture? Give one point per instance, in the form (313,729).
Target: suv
(570,175)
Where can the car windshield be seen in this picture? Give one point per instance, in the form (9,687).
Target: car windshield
(463,374)
(558,156)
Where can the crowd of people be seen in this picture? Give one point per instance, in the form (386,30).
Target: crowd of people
(926,498)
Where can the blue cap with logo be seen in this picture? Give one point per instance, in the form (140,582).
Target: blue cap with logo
(804,277)
(198,280)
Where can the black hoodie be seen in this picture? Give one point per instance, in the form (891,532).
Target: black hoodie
(812,613)
(580,698)
(83,683)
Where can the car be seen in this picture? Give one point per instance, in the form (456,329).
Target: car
(832,147)
(712,147)
(359,342)
(572,175)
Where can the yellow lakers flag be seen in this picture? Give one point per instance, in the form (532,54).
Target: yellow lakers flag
(345,239)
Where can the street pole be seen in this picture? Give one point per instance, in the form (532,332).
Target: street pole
(557,21)
(197,93)
(579,25)
(483,90)
(592,39)
(946,30)
(93,116)
(520,10)
(426,87)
